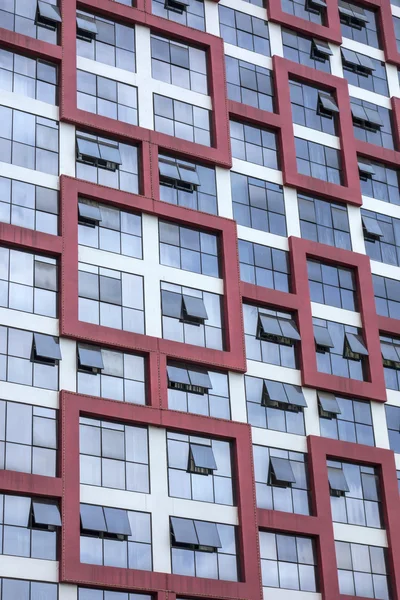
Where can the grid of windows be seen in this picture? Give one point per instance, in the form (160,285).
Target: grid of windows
(113,455)
(249,84)
(381,237)
(393,425)
(182,120)
(28,590)
(96,594)
(305,51)
(361,25)
(324,222)
(313,108)
(362,570)
(28,141)
(390,364)
(387,296)
(381,182)
(21,18)
(193,16)
(244,31)
(318,161)
(288,562)
(311,10)
(107,97)
(199,469)
(334,286)
(352,424)
(254,144)
(33,78)
(261,265)
(372,123)
(372,77)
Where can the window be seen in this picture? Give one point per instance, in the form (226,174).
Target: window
(313,108)
(346,352)
(387,296)
(28,141)
(311,10)
(110,374)
(111,298)
(362,570)
(21,363)
(305,51)
(334,286)
(33,78)
(258,204)
(187,184)
(199,469)
(28,282)
(22,18)
(113,455)
(249,84)
(202,549)
(364,72)
(107,97)
(396,23)
(179,64)
(318,161)
(393,425)
(253,144)
(264,266)
(270,336)
(28,590)
(107,162)
(28,205)
(390,348)
(274,405)
(29,527)
(244,31)
(111,43)
(188,249)
(372,123)
(281,480)
(182,120)
(379,181)
(358,23)
(324,222)
(192,14)
(107,228)
(191,316)
(115,537)
(288,562)
(355,497)
(345,419)
(96,594)
(28,437)
(381,237)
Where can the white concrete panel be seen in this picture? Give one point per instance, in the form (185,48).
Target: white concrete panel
(237,397)
(356,232)
(360,535)
(203,511)
(30,105)
(357,92)
(90,494)
(336,61)
(363,49)
(275,39)
(311,414)
(67,149)
(111,260)
(67,592)
(393,397)
(98,68)
(397,461)
(68,365)
(224,192)
(212,17)
(380,425)
(267,371)
(179,93)
(292,212)
(282,594)
(395,10)
(385,270)
(247,55)
(332,313)
(384,208)
(29,176)
(253,170)
(28,395)
(34,569)
(393,80)
(25,320)
(262,237)
(278,439)
(313,135)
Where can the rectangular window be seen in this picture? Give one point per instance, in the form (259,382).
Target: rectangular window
(190,12)
(390,348)
(24,18)
(258,204)
(188,249)
(187,184)
(379,181)
(253,144)
(199,391)
(381,234)
(28,141)
(29,527)
(345,419)
(179,64)
(249,84)
(244,31)
(310,10)
(29,77)
(316,160)
(305,51)
(111,298)
(264,266)
(111,374)
(107,162)
(362,570)
(96,594)
(113,455)
(333,286)
(202,549)
(115,537)
(396,24)
(313,108)
(364,72)
(324,222)
(387,296)
(28,590)
(393,425)
(28,438)
(199,469)
(191,316)
(110,43)
(20,362)
(372,123)
(270,405)
(182,120)
(270,336)
(27,205)
(334,354)
(358,23)
(107,97)
(28,282)
(288,562)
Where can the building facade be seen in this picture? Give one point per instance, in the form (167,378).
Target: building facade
(199,330)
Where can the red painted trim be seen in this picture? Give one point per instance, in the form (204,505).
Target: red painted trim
(29,239)
(30,46)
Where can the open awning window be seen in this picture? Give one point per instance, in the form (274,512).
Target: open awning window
(178,6)
(337,482)
(113,522)
(320,49)
(371,227)
(285,396)
(277,330)
(354,347)
(359,63)
(45,349)
(200,535)
(178,173)
(90,359)
(323,340)
(88,214)
(201,459)
(48,15)
(281,472)
(328,405)
(390,355)
(327,106)
(193,310)
(86,27)
(46,514)
(99,154)
(365,169)
(352,15)
(195,381)
(367,118)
